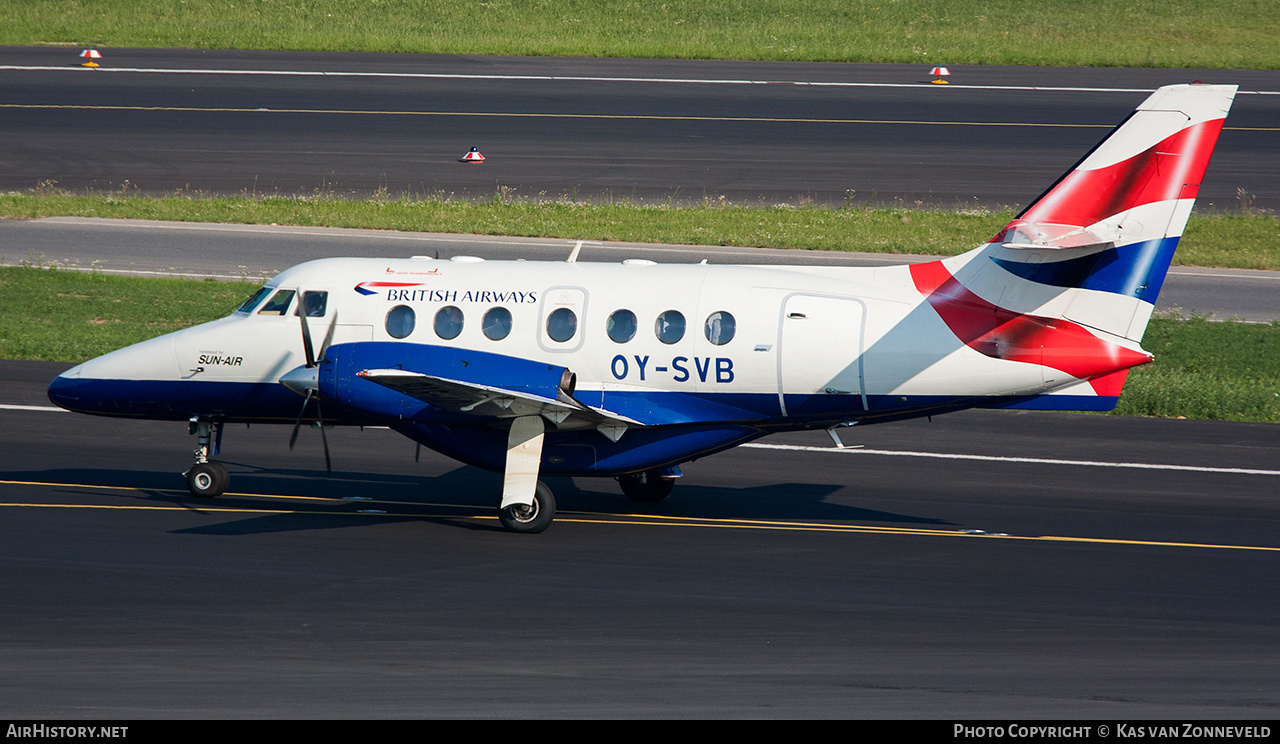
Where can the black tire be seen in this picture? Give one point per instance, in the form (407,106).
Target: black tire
(207,479)
(646,488)
(530,519)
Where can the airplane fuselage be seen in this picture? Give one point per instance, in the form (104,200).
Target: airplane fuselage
(726,353)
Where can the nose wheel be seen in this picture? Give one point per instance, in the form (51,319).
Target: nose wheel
(207,478)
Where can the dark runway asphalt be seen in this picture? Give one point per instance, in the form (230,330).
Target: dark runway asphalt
(593,129)
(773,583)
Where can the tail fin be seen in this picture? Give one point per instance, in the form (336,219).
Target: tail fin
(1109,227)
(1071,282)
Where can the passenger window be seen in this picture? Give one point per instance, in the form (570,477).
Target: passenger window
(562,324)
(621,326)
(313,304)
(670,327)
(400,321)
(248,305)
(278,304)
(496,323)
(448,322)
(720,328)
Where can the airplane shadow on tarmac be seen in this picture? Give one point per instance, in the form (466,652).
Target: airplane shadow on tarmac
(265,500)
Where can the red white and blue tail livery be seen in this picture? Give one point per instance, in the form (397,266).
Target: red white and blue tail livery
(1070,284)
(629,370)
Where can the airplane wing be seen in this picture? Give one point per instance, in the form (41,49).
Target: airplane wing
(460,396)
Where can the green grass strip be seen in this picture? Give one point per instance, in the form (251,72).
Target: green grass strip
(1207,370)
(1203,370)
(1243,241)
(71,316)
(1136,33)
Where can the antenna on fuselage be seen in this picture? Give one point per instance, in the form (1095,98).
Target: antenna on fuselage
(573,255)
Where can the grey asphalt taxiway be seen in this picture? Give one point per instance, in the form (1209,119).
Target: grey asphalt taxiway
(257,252)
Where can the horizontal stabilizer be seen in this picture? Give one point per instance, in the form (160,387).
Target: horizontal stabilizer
(1028,236)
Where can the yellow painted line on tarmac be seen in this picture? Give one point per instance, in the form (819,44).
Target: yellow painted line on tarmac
(642,520)
(604,117)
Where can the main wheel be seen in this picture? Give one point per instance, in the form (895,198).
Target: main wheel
(207,479)
(646,488)
(530,518)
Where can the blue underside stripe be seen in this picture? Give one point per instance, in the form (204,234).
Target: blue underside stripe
(477,441)
(240,401)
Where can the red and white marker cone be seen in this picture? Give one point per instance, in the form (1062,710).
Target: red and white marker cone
(473,156)
(91,55)
(940,72)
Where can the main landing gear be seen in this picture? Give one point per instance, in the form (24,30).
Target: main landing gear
(207,478)
(527,504)
(530,518)
(648,487)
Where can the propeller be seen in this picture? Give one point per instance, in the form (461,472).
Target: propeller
(306,381)
(324,438)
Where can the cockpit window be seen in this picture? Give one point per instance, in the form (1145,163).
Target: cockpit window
(278,304)
(254,299)
(313,304)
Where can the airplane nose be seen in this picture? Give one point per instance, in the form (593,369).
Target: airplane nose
(128,381)
(64,391)
(302,379)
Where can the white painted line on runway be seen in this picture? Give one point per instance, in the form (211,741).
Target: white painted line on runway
(1031,460)
(583,79)
(10,407)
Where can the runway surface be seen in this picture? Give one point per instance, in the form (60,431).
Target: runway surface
(256,252)
(649,130)
(773,583)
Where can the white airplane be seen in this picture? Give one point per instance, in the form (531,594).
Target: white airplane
(628,370)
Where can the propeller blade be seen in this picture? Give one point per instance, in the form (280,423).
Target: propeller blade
(293,438)
(328,465)
(307,348)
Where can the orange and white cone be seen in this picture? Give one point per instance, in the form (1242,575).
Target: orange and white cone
(940,72)
(473,156)
(91,55)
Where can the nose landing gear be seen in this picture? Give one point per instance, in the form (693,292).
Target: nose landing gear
(207,478)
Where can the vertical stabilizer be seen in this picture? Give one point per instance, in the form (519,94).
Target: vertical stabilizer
(1109,227)
(1071,282)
